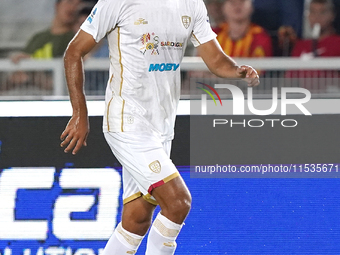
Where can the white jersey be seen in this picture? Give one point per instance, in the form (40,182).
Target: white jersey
(147,39)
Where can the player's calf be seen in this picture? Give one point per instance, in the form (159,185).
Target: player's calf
(175,201)
(136,220)
(162,236)
(122,242)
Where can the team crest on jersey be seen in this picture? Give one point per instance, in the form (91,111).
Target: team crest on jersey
(130,119)
(155,167)
(150,43)
(186,20)
(141,21)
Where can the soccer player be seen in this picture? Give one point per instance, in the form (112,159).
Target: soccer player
(147,39)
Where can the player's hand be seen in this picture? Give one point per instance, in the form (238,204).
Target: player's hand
(75,134)
(248,74)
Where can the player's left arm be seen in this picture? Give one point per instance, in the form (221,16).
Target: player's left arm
(224,66)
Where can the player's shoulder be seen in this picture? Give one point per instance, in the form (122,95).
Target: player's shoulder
(107,7)
(194,2)
(109,1)
(113,2)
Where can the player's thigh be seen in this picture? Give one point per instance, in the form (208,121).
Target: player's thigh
(145,158)
(173,195)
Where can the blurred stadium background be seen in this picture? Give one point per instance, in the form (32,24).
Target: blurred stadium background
(19,21)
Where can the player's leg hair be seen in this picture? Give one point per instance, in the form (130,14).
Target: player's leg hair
(136,220)
(175,201)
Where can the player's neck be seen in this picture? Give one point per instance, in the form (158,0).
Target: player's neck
(58,27)
(238,30)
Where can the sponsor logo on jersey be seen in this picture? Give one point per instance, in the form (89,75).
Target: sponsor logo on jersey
(150,43)
(91,17)
(186,21)
(155,166)
(172,44)
(163,67)
(141,21)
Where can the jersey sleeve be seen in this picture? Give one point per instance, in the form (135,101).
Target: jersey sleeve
(202,31)
(103,18)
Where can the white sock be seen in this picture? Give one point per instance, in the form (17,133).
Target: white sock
(162,236)
(122,242)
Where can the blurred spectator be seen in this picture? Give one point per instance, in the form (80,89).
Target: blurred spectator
(47,44)
(283,20)
(287,38)
(53,41)
(325,42)
(238,36)
(214,8)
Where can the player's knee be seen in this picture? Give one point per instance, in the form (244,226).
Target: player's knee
(180,206)
(139,224)
(144,220)
(144,226)
(186,204)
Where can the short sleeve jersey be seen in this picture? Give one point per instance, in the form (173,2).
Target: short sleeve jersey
(147,40)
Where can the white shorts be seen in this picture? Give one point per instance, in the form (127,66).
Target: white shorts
(146,163)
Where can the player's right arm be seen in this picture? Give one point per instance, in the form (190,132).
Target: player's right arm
(77,129)
(224,66)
